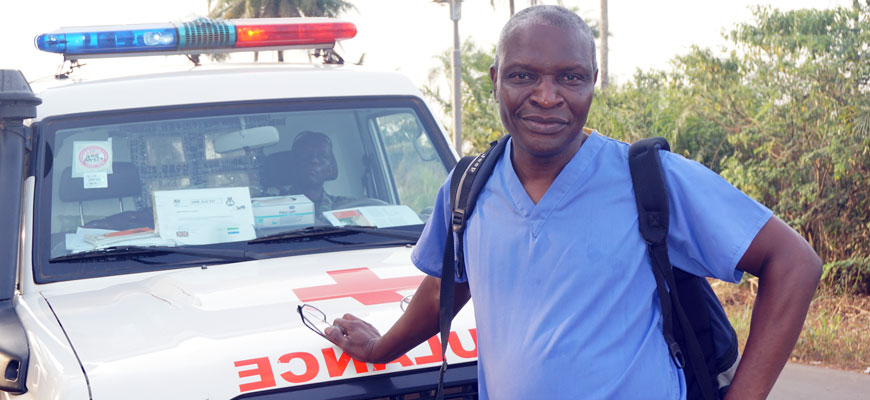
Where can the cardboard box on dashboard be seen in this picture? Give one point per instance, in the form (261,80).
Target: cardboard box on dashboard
(294,211)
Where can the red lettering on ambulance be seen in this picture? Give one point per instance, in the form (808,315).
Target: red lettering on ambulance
(263,371)
(404,361)
(336,366)
(456,345)
(435,352)
(311,367)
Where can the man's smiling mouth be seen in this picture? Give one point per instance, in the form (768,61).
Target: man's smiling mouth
(541,124)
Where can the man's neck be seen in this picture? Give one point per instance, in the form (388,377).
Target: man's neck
(537,173)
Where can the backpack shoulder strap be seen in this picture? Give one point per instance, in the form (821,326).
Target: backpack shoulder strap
(652,217)
(650,191)
(471,179)
(649,188)
(469,176)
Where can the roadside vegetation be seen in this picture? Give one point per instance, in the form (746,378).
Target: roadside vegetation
(782,111)
(836,333)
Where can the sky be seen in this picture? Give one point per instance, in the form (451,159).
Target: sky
(401,35)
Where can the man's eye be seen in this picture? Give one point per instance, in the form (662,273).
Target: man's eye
(573,77)
(521,76)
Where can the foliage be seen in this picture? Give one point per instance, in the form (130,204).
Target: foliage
(417,169)
(835,332)
(785,117)
(480,121)
(850,276)
(279,8)
(809,153)
(511,6)
(658,104)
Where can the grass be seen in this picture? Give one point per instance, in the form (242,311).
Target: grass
(836,332)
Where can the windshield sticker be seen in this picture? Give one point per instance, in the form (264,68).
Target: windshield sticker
(303,367)
(204,216)
(92,157)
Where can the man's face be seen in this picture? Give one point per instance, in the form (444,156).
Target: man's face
(318,163)
(544,85)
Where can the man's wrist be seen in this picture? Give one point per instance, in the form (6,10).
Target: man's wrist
(375,353)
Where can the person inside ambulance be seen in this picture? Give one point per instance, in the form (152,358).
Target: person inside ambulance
(305,169)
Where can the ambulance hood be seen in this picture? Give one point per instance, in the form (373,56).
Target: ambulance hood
(226,330)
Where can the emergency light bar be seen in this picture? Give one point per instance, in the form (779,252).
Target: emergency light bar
(202,35)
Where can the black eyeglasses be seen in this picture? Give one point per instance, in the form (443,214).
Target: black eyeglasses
(315,320)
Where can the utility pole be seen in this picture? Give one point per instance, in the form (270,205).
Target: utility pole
(602,36)
(457,77)
(455,15)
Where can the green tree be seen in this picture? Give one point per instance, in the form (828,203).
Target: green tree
(510,6)
(277,8)
(807,151)
(785,117)
(480,121)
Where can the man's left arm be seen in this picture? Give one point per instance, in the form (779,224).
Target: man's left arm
(788,272)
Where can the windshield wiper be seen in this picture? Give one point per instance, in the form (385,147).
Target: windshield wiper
(132,251)
(319,231)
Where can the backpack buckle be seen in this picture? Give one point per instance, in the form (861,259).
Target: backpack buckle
(458,220)
(677,354)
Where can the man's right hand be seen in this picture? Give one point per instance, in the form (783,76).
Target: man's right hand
(355,337)
(418,323)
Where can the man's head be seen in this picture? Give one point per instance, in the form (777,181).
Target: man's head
(552,15)
(312,155)
(543,78)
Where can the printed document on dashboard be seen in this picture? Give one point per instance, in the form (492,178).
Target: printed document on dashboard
(379,216)
(204,216)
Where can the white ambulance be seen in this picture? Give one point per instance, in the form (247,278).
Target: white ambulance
(186,235)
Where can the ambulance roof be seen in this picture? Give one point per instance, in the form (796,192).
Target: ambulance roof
(221,83)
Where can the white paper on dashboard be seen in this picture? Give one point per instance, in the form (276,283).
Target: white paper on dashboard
(76,242)
(87,239)
(379,216)
(204,216)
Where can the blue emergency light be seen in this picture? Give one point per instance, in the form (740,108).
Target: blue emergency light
(199,36)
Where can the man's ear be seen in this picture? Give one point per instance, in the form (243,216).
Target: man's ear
(493,76)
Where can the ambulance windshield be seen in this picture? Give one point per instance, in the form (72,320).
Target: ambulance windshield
(225,176)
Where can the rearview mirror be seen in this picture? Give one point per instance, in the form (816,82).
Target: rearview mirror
(246,138)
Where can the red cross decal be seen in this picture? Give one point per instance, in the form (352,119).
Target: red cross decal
(361,284)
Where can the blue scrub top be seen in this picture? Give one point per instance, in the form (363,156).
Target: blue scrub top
(563,290)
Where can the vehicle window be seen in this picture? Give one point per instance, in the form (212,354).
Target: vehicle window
(208,176)
(413,159)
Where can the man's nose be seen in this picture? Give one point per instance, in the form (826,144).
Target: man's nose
(546,94)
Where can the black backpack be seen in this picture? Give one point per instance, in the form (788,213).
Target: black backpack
(700,338)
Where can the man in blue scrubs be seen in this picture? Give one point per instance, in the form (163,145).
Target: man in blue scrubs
(564,295)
